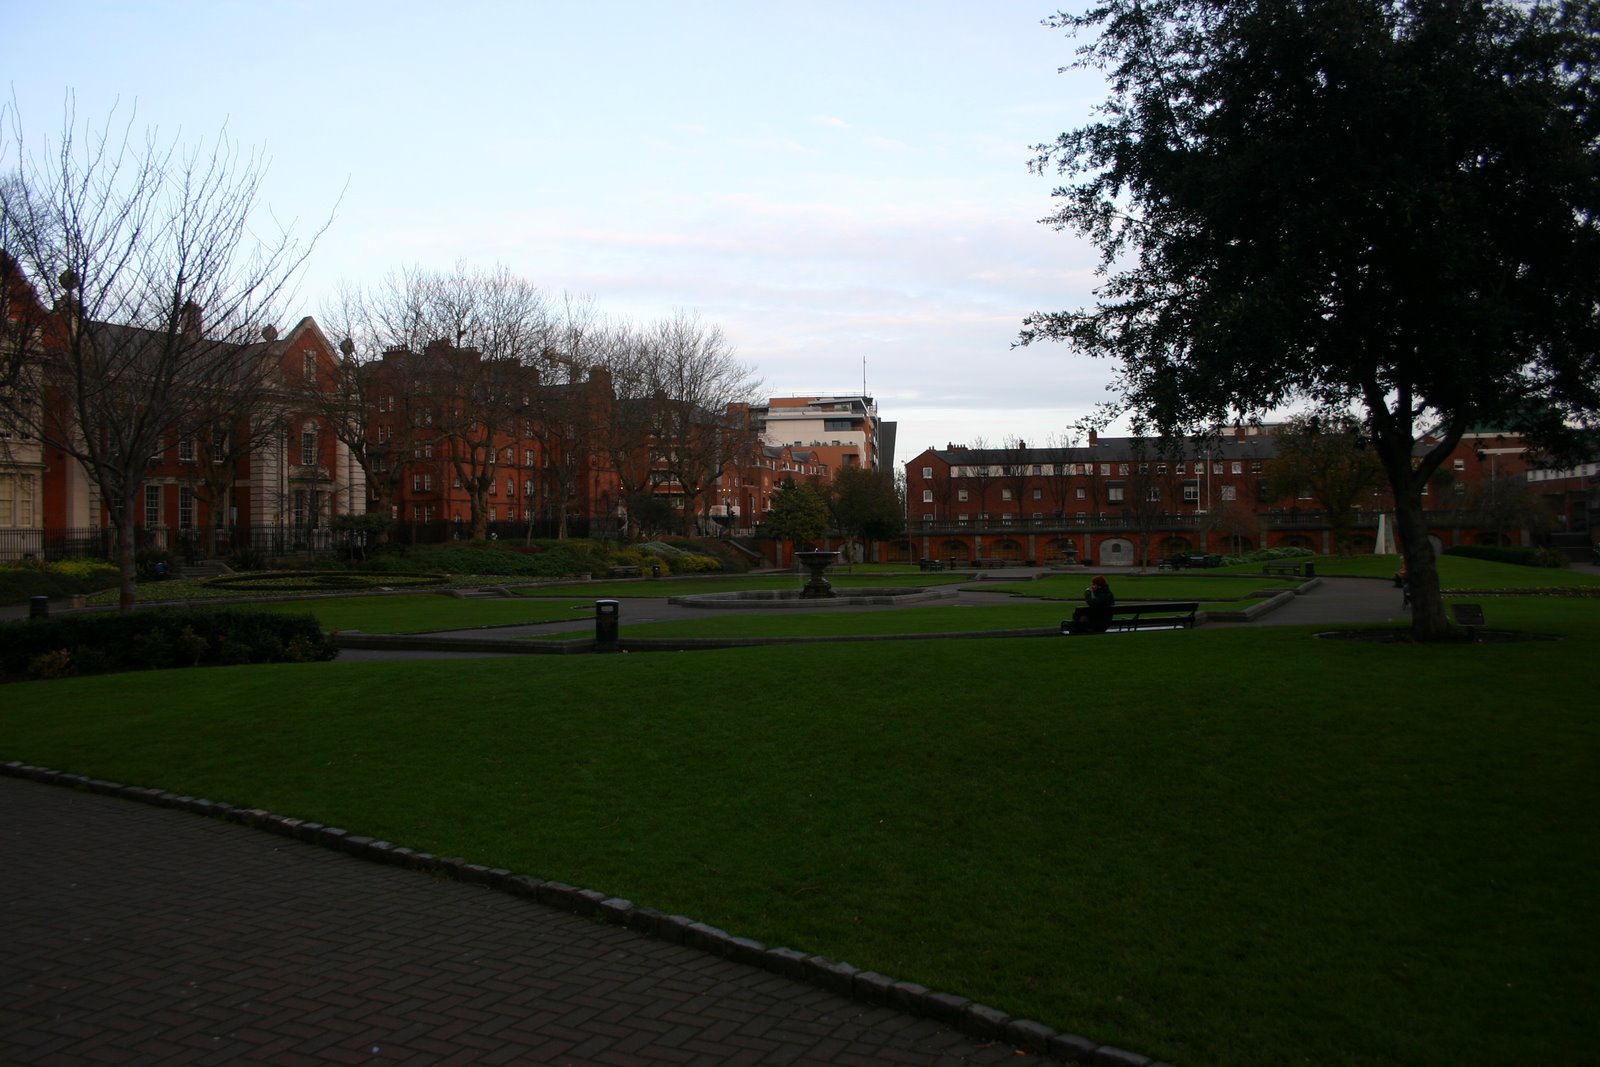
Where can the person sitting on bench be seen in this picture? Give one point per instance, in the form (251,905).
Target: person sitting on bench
(1095,616)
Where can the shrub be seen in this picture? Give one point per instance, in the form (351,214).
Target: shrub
(89,660)
(95,574)
(553,559)
(18,582)
(46,665)
(152,563)
(162,638)
(247,558)
(155,649)
(190,647)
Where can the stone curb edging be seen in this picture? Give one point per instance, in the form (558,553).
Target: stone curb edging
(1272,603)
(976,1020)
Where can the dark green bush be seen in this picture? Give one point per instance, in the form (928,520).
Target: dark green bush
(1521,557)
(248,558)
(148,564)
(549,559)
(18,583)
(169,637)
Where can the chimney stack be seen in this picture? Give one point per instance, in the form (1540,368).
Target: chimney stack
(189,321)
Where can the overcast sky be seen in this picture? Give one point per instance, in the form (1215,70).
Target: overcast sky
(842,187)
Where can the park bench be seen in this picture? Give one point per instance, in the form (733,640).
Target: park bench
(992,563)
(1144,615)
(931,565)
(1469,617)
(1289,567)
(1185,560)
(622,572)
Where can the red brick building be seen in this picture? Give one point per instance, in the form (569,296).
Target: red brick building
(1119,500)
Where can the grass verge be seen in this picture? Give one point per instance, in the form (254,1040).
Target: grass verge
(424,613)
(1244,847)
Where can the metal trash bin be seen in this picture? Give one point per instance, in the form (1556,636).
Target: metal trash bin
(655,570)
(38,607)
(606,625)
(1310,569)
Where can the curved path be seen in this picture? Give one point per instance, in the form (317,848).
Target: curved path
(1326,602)
(137,934)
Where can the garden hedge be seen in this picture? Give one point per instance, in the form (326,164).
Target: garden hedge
(101,642)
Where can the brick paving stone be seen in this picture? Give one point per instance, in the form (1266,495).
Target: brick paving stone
(144,934)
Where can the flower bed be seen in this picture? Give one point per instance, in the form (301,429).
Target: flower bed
(320,581)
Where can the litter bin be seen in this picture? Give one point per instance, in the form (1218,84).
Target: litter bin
(38,607)
(1311,569)
(606,621)
(655,570)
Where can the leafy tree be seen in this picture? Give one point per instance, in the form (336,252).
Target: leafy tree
(866,504)
(1383,203)
(799,512)
(1329,456)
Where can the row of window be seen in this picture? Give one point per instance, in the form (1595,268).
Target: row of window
(1072,469)
(422,482)
(424,450)
(429,512)
(1115,494)
(310,444)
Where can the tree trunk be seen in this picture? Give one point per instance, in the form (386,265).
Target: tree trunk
(126,561)
(480,513)
(1428,622)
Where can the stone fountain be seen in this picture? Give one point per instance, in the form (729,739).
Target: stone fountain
(818,587)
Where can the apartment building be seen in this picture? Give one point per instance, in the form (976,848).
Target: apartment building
(841,431)
(1115,500)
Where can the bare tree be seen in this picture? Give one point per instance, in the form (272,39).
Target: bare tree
(980,472)
(696,380)
(446,361)
(375,395)
(495,323)
(1057,471)
(1328,455)
(1151,490)
(1015,470)
(146,251)
(564,407)
(625,428)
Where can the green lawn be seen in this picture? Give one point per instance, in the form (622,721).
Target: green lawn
(1218,846)
(1455,572)
(669,587)
(425,612)
(933,618)
(1181,586)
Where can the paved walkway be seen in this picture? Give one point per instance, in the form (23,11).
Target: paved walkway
(142,935)
(1330,602)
